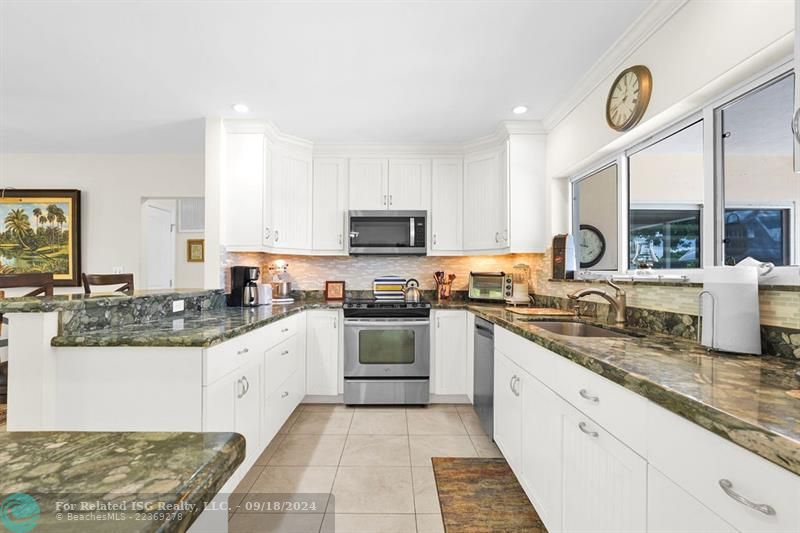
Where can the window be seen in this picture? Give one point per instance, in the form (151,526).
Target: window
(666,201)
(760,189)
(596,219)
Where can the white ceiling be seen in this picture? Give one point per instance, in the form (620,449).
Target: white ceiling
(139,76)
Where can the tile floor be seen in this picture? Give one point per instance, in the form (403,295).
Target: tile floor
(375,461)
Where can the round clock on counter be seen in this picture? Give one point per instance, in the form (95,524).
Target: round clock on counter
(628,98)
(592,246)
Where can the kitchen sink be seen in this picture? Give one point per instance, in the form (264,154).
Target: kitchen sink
(577,329)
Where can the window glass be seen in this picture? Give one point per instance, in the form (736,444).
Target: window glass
(596,220)
(761,190)
(666,202)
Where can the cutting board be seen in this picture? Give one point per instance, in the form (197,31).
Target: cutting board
(539,311)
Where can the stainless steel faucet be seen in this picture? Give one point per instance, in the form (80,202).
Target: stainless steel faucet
(619,302)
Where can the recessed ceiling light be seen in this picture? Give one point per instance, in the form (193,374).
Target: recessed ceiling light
(520,109)
(240,108)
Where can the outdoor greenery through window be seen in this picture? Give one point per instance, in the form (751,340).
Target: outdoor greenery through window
(664,238)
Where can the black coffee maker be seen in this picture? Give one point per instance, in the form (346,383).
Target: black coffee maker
(244,289)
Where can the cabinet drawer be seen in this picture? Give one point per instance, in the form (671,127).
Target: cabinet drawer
(281,330)
(281,362)
(698,461)
(280,404)
(620,411)
(538,361)
(226,357)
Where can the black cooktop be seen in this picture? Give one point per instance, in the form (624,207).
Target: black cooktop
(385,308)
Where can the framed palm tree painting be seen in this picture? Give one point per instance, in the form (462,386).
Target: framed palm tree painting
(40,232)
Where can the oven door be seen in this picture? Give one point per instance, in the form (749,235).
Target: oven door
(387,233)
(386,347)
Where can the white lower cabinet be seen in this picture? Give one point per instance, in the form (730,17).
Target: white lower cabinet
(508,410)
(450,352)
(670,509)
(247,407)
(322,353)
(605,482)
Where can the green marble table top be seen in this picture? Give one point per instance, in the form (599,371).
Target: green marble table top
(752,401)
(110,472)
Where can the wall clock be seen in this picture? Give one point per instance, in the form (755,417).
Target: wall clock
(592,246)
(628,97)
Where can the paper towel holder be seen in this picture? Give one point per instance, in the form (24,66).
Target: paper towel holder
(700,324)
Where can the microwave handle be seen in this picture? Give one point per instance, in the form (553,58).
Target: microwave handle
(413,238)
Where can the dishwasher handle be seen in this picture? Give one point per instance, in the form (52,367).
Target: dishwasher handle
(484,328)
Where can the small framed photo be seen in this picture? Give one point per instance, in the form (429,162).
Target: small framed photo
(195,250)
(334,290)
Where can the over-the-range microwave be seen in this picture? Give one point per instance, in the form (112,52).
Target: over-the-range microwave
(388,232)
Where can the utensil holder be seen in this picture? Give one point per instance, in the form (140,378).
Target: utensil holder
(444,290)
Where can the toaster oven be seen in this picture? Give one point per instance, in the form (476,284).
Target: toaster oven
(490,286)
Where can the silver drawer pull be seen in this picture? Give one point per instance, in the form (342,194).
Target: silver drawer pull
(727,486)
(284,352)
(243,351)
(284,330)
(285,394)
(586,396)
(582,427)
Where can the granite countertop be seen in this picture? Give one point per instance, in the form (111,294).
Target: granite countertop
(752,401)
(154,469)
(72,302)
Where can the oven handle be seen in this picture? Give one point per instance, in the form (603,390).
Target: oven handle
(386,322)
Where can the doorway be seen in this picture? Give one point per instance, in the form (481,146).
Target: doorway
(158,240)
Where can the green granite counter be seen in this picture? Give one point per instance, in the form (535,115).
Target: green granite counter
(752,401)
(80,301)
(115,473)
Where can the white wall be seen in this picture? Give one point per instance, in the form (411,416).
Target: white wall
(703,50)
(112,190)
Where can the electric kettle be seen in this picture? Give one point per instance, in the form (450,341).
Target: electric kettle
(412,292)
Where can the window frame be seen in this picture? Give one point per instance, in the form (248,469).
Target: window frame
(712,211)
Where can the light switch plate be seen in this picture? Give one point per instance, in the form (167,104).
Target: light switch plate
(177,306)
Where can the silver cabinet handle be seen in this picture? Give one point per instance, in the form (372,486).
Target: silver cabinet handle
(385,199)
(496,236)
(438,322)
(582,427)
(285,352)
(285,394)
(267,233)
(511,383)
(340,239)
(727,486)
(243,351)
(505,235)
(796,125)
(246,385)
(516,382)
(586,396)
(240,387)
(284,330)
(390,200)
(434,239)
(276,235)
(335,323)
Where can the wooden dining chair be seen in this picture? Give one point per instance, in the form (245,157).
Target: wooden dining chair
(42,283)
(126,280)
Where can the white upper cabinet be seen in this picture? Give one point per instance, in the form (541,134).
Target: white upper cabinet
(369,184)
(330,204)
(242,190)
(447,207)
(291,199)
(408,182)
(485,201)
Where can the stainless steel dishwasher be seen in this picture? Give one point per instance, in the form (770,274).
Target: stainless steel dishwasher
(483,394)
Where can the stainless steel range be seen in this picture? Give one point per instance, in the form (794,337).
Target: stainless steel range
(386,352)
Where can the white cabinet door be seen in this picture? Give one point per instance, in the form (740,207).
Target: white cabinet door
(450,354)
(670,509)
(408,181)
(605,482)
(242,190)
(219,405)
(447,190)
(508,410)
(541,450)
(485,199)
(291,201)
(322,353)
(271,167)
(330,204)
(247,388)
(368,184)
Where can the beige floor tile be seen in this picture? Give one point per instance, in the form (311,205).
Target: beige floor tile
(371,489)
(370,523)
(275,523)
(423,447)
(437,407)
(465,408)
(238,494)
(289,422)
(294,480)
(326,408)
(376,450)
(322,423)
(269,451)
(309,450)
(485,447)
(435,423)
(426,497)
(379,422)
(472,423)
(430,523)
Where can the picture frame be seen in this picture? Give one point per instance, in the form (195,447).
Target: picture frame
(40,232)
(195,250)
(334,290)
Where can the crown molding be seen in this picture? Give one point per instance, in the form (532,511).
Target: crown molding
(648,23)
